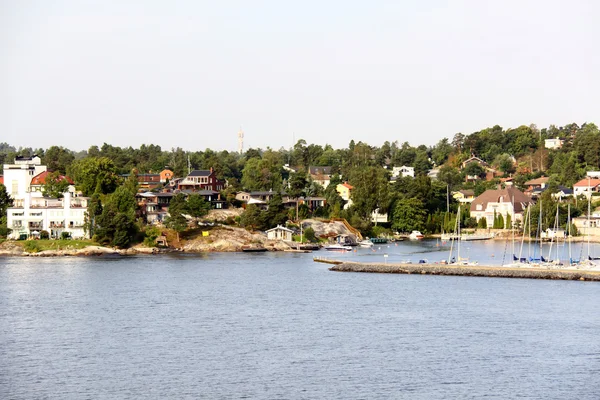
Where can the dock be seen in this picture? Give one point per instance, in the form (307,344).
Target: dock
(465,270)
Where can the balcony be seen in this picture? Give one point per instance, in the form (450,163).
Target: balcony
(57,224)
(35,225)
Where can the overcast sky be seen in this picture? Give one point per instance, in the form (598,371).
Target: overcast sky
(190,73)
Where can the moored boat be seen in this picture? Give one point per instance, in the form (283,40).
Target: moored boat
(415,235)
(365,243)
(338,247)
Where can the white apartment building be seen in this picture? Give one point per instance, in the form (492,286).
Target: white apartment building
(32,213)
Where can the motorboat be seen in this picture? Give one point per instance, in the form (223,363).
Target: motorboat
(338,247)
(415,235)
(365,243)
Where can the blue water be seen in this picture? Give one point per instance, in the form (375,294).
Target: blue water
(278,326)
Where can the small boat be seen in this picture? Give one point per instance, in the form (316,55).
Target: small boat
(365,243)
(338,247)
(415,235)
(482,236)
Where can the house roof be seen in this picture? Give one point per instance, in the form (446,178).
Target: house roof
(565,190)
(347,185)
(538,181)
(508,195)
(587,182)
(40,179)
(319,170)
(200,172)
(467,192)
(474,159)
(280,228)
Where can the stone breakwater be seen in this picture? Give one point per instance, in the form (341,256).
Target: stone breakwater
(468,270)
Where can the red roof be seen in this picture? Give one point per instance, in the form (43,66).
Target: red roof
(346,184)
(1,180)
(587,182)
(40,179)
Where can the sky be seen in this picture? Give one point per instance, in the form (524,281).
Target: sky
(190,73)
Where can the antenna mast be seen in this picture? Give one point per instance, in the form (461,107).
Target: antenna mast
(241,141)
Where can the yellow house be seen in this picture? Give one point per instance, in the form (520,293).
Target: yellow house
(344,190)
(464,196)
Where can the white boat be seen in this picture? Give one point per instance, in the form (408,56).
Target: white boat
(415,235)
(477,236)
(338,247)
(365,243)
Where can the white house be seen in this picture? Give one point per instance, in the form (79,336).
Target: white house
(553,144)
(403,171)
(31,212)
(586,187)
(31,215)
(509,201)
(280,233)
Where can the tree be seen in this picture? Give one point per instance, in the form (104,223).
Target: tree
(474,169)
(409,215)
(116,224)
(5,202)
(55,185)
(58,159)
(251,218)
(176,219)
(504,163)
(296,187)
(94,175)
(197,206)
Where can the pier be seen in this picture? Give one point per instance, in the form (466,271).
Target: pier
(464,270)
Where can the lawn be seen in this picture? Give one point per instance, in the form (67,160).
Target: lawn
(34,246)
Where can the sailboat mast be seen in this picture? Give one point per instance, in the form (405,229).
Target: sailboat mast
(569,231)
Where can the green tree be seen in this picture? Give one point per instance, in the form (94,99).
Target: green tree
(58,159)
(55,185)
(176,219)
(5,202)
(297,187)
(197,206)
(94,175)
(116,224)
(409,215)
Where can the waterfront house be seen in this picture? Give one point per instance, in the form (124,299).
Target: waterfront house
(509,201)
(201,180)
(280,233)
(586,187)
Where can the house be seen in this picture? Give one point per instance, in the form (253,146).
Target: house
(146,181)
(536,186)
(403,171)
(201,180)
(509,201)
(320,175)
(586,187)
(313,202)
(264,196)
(588,226)
(553,144)
(280,233)
(211,196)
(166,175)
(32,214)
(344,190)
(18,176)
(379,218)
(433,173)
(593,174)
(562,193)
(474,159)
(464,196)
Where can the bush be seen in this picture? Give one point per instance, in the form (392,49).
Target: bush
(309,234)
(44,235)
(31,246)
(150,236)
(65,235)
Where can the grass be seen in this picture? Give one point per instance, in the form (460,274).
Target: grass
(34,246)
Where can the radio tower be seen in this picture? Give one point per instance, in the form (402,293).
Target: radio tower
(241,141)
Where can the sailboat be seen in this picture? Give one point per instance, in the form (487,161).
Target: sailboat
(456,238)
